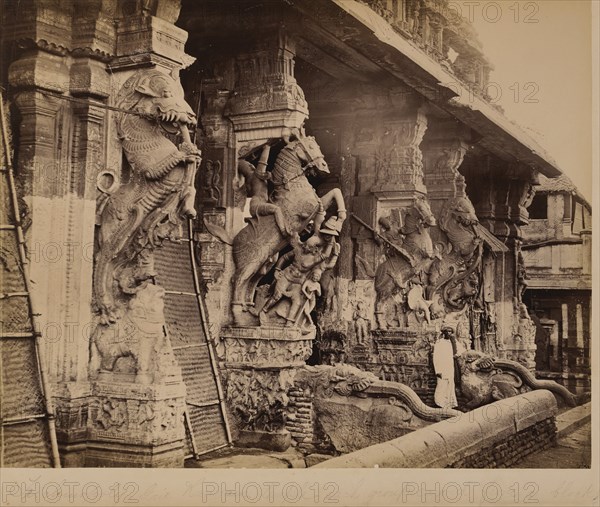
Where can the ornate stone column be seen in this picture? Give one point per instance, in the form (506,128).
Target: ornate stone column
(136,412)
(387,145)
(504,190)
(259,360)
(59,83)
(69,64)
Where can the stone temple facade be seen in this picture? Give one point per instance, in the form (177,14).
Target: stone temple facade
(250,220)
(557,252)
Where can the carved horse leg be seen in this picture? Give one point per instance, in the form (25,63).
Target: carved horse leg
(240,284)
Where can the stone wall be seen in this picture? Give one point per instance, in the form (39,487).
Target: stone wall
(504,454)
(493,436)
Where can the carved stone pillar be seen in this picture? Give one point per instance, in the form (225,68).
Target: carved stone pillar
(259,361)
(138,394)
(387,146)
(501,192)
(58,154)
(216,190)
(268,99)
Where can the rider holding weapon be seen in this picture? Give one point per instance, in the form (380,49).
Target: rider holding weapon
(257,189)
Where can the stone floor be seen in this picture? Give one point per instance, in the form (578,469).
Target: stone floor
(573,450)
(255,458)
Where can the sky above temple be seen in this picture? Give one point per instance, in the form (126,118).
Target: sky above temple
(541,51)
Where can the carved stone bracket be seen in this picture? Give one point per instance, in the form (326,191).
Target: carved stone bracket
(267,98)
(441,161)
(399,161)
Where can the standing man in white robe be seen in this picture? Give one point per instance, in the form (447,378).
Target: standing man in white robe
(444,351)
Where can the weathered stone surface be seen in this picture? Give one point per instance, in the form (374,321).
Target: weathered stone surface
(315,459)
(459,443)
(270,440)
(366,421)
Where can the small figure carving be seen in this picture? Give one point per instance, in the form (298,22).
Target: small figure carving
(417,303)
(361,322)
(311,289)
(521,276)
(112,414)
(304,259)
(211,182)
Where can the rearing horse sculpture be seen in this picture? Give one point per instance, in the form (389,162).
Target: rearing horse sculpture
(256,247)
(394,274)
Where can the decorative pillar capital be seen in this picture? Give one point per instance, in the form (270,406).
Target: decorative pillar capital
(398,160)
(441,160)
(145,41)
(267,100)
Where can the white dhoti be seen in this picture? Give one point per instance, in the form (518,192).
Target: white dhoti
(443,364)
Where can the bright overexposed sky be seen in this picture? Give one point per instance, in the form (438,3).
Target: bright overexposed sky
(541,51)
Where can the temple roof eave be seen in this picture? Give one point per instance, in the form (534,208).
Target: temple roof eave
(377,40)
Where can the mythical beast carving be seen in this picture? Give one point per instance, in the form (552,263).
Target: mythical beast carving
(148,208)
(456,274)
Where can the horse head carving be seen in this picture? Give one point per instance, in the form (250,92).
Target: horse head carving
(459,220)
(139,214)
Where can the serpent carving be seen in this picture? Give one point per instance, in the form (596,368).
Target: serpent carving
(346,380)
(534,383)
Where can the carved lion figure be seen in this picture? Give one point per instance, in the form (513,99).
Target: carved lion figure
(139,335)
(481,383)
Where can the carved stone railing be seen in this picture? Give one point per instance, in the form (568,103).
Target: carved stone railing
(533,383)
(373,410)
(437,27)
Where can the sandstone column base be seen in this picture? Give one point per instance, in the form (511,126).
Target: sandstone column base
(136,425)
(260,366)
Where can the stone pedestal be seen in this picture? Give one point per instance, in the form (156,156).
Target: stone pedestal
(260,366)
(72,414)
(135,425)
(403,355)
